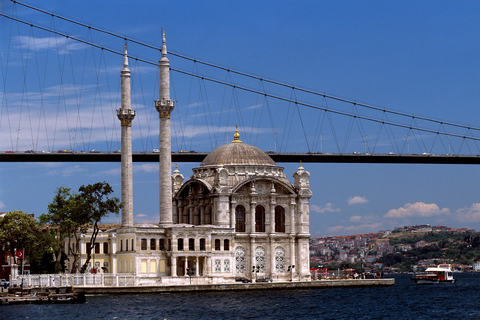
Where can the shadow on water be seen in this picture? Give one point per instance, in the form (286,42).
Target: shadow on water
(405,300)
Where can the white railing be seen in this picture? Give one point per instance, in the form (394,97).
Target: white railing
(76,280)
(109,280)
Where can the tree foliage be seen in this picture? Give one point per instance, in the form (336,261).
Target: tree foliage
(18,231)
(72,214)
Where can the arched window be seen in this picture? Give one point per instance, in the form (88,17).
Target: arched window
(217,244)
(279,219)
(226,245)
(180,244)
(126,244)
(191,244)
(162,244)
(259,219)
(202,244)
(153,244)
(133,247)
(240,260)
(279,260)
(260,259)
(105,248)
(144,245)
(97,248)
(121,245)
(240,219)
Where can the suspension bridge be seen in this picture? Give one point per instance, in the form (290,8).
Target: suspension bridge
(60,83)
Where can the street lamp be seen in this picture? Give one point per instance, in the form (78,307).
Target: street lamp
(290,269)
(256,270)
(190,273)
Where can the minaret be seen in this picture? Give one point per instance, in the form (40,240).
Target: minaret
(164,107)
(126,115)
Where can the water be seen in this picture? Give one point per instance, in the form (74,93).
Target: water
(405,300)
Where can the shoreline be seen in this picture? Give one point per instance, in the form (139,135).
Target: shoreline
(315,284)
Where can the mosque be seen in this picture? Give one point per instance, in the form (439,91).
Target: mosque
(237,216)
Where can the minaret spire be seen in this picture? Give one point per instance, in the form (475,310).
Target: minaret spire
(164,107)
(126,115)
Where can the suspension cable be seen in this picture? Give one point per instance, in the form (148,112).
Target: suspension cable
(273,82)
(243,73)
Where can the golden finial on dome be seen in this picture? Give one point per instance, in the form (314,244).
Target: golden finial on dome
(236,136)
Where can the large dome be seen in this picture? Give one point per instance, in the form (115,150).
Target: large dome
(237,153)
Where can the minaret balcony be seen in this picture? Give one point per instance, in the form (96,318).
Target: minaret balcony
(126,116)
(164,107)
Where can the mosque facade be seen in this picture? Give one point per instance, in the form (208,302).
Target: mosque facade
(237,216)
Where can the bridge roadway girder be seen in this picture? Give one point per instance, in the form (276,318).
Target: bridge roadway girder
(277,157)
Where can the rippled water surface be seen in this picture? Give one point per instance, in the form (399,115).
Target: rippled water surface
(405,300)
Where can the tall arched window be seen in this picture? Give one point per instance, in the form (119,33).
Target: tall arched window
(259,219)
(240,260)
(143,246)
(279,219)
(240,219)
(260,259)
(279,260)
(105,248)
(153,244)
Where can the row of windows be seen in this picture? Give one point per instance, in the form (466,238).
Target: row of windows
(132,248)
(240,219)
(161,243)
(181,244)
(96,247)
(153,244)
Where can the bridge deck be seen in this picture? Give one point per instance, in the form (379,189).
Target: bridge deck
(277,157)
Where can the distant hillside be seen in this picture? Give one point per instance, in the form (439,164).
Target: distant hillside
(400,249)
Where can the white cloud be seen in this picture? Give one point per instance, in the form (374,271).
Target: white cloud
(111,172)
(61,45)
(357,200)
(2,205)
(355,218)
(66,172)
(146,167)
(417,209)
(471,214)
(329,207)
(363,228)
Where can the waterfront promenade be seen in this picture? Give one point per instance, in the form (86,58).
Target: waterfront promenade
(315,284)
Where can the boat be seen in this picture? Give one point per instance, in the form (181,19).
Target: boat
(441,274)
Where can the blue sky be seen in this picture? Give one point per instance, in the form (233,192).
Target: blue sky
(416,57)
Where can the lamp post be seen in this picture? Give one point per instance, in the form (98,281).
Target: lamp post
(290,269)
(190,273)
(256,270)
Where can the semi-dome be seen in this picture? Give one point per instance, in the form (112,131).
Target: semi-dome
(237,153)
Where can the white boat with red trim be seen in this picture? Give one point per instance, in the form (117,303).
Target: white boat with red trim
(441,274)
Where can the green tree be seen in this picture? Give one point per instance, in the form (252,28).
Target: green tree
(96,205)
(18,231)
(71,215)
(63,224)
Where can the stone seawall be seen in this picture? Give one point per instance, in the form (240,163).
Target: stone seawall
(320,284)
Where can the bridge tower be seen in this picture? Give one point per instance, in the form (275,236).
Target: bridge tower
(164,107)
(126,115)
